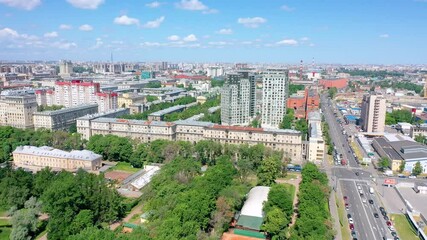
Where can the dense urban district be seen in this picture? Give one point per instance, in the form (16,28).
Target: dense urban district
(231,151)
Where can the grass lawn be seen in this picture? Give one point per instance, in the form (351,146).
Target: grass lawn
(5,232)
(124,166)
(3,212)
(4,222)
(356,149)
(290,188)
(403,227)
(345,231)
(290,176)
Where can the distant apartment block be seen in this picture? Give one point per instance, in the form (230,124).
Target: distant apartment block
(62,119)
(37,158)
(275,85)
(214,71)
(45,97)
(106,101)
(289,141)
(65,68)
(238,99)
(17,111)
(372,118)
(418,129)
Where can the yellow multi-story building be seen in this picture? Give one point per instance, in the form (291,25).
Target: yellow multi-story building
(289,141)
(37,158)
(127,99)
(17,111)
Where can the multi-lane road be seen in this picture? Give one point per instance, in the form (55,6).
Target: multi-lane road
(352,181)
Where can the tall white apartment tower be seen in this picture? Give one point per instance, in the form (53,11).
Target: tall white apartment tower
(275,85)
(372,117)
(238,99)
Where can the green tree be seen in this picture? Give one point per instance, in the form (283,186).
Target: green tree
(24,221)
(279,197)
(275,223)
(418,169)
(332,92)
(255,123)
(150,98)
(268,171)
(294,88)
(402,166)
(420,138)
(302,126)
(384,163)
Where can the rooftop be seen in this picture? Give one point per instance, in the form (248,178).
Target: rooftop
(168,110)
(66,110)
(131,121)
(52,152)
(97,115)
(194,123)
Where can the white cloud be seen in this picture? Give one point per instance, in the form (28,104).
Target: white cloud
(50,35)
(117,42)
(221,43)
(65,27)
(225,31)
(155,23)
(23,4)
(311,45)
(385,35)
(251,22)
(150,44)
(154,4)
(7,33)
(86,28)
(287,8)
(190,38)
(173,38)
(98,43)
(304,39)
(86,4)
(247,42)
(210,11)
(192,5)
(64,45)
(125,20)
(290,42)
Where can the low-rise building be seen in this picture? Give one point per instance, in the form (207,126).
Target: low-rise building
(419,129)
(127,99)
(62,119)
(37,158)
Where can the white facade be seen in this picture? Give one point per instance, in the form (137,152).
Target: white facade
(275,85)
(373,113)
(17,111)
(65,68)
(215,71)
(316,144)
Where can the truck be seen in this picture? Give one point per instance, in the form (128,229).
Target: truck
(371,190)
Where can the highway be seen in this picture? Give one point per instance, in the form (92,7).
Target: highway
(365,224)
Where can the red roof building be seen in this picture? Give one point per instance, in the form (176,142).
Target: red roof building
(330,83)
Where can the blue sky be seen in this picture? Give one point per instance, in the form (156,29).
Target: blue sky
(285,31)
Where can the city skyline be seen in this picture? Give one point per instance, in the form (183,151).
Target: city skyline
(331,31)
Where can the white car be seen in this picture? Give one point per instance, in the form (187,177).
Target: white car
(412,176)
(392,228)
(364,200)
(350,221)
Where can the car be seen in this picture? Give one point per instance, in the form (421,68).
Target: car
(388,223)
(351,226)
(386,218)
(353,234)
(371,201)
(412,176)
(376,215)
(396,238)
(364,200)
(357,173)
(394,234)
(345,198)
(350,220)
(382,209)
(384,213)
(343,144)
(391,228)
(349,215)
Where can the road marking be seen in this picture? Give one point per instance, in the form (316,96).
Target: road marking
(367,217)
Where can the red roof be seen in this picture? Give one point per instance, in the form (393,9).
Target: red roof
(195,77)
(238,128)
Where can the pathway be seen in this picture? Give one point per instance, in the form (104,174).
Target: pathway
(294,181)
(135,210)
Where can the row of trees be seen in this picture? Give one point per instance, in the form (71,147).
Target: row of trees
(278,212)
(73,202)
(327,137)
(214,117)
(400,85)
(158,107)
(370,73)
(397,116)
(194,110)
(10,138)
(314,219)
(332,92)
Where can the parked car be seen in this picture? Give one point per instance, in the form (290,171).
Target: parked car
(345,198)
(412,176)
(350,220)
(386,218)
(353,234)
(351,226)
(394,234)
(349,215)
(382,209)
(371,201)
(388,223)
(376,215)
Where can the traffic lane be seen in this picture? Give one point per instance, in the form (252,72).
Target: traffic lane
(379,223)
(361,223)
